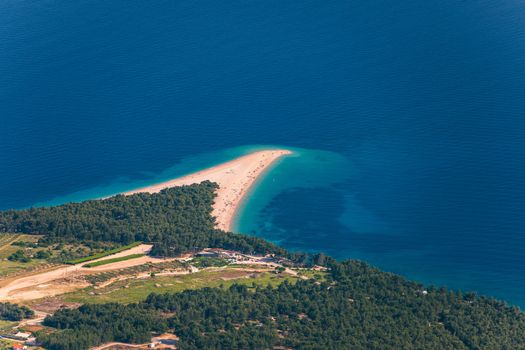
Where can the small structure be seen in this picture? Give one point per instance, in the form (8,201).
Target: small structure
(207,254)
(17,346)
(23,335)
(319,268)
(164,341)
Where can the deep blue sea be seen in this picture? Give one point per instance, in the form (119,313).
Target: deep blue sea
(406,117)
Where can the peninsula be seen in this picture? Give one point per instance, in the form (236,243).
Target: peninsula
(157,262)
(235,178)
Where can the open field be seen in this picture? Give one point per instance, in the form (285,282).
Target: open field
(6,324)
(6,344)
(104,254)
(114,260)
(7,239)
(9,268)
(134,290)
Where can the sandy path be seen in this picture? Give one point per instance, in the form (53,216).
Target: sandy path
(51,282)
(234,178)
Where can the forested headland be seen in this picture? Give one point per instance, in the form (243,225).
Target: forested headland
(354,306)
(176,220)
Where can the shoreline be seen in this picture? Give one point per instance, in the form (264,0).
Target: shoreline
(236,178)
(244,201)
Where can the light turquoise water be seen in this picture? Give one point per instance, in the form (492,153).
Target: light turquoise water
(186,165)
(304,168)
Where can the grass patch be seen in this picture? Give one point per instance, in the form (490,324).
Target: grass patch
(7,239)
(103,254)
(114,260)
(6,344)
(202,262)
(7,248)
(10,267)
(135,270)
(318,275)
(6,325)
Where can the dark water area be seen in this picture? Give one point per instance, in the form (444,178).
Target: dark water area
(409,116)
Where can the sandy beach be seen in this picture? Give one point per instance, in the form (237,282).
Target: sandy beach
(235,178)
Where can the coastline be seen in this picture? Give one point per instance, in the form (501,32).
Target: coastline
(258,184)
(235,178)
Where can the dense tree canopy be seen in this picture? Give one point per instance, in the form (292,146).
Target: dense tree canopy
(177,219)
(356,307)
(13,312)
(96,324)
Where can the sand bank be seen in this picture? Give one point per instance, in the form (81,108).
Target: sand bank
(235,178)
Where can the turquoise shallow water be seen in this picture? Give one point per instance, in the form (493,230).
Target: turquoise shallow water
(187,165)
(303,169)
(407,119)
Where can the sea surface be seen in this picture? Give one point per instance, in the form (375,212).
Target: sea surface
(406,117)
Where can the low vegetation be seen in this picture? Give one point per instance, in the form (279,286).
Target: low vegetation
(203,262)
(133,271)
(103,254)
(6,325)
(114,260)
(7,239)
(135,290)
(20,255)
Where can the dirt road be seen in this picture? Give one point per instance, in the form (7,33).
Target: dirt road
(65,279)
